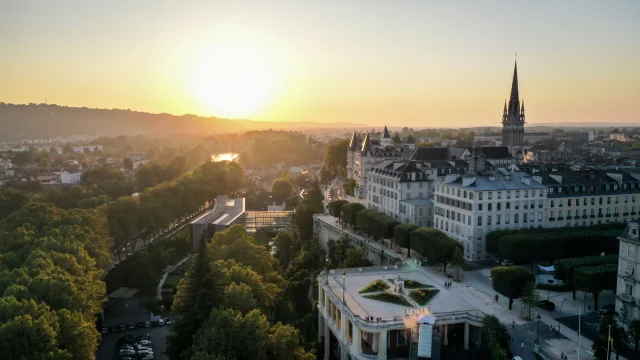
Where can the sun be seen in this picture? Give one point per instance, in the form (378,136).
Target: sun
(233,80)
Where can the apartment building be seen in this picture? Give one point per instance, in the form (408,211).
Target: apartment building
(628,283)
(403,189)
(468,207)
(585,198)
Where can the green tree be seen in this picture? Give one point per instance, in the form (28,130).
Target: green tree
(495,340)
(510,281)
(285,343)
(457,261)
(335,160)
(396,139)
(230,334)
(349,187)
(530,297)
(12,200)
(335,207)
(281,188)
(349,212)
(198,292)
(618,339)
(287,245)
(402,236)
(595,279)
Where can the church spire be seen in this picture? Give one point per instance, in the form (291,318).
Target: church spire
(514,99)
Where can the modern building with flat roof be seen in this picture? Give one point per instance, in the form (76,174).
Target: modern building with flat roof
(357,324)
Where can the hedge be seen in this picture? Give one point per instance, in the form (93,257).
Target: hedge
(335,207)
(402,235)
(375,224)
(564,267)
(553,287)
(492,238)
(349,210)
(433,244)
(526,247)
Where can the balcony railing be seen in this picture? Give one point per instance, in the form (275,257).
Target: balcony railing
(627,298)
(608,215)
(625,214)
(552,219)
(584,216)
(560,218)
(592,216)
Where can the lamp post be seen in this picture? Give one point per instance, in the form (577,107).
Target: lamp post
(563,300)
(326,270)
(538,336)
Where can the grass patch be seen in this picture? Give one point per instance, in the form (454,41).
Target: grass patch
(423,296)
(171,281)
(390,298)
(410,284)
(375,286)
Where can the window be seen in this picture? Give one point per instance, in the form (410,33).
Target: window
(498,218)
(402,337)
(517,194)
(499,205)
(628,289)
(508,206)
(490,193)
(600,201)
(593,201)
(480,196)
(524,217)
(489,220)
(499,195)
(559,213)
(515,218)
(561,203)
(568,213)
(508,194)
(507,219)
(479,207)
(479,220)
(569,202)
(584,201)
(489,207)
(553,204)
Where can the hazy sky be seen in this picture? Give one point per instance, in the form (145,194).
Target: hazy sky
(395,62)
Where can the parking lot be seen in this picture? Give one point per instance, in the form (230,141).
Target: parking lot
(106,349)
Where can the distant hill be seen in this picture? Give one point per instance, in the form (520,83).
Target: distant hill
(43,121)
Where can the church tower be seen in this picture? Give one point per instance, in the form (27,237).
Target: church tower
(513,120)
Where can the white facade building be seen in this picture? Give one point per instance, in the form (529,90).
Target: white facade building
(468,207)
(628,284)
(354,326)
(70,177)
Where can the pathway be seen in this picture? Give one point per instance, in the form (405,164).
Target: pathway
(166,273)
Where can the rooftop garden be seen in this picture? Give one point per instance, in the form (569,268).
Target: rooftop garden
(389,297)
(422,296)
(412,284)
(375,286)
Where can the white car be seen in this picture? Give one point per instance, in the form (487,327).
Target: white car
(161,322)
(507,263)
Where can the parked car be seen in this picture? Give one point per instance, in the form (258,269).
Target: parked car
(161,322)
(104,330)
(122,327)
(506,263)
(140,324)
(547,305)
(607,310)
(154,323)
(113,328)
(131,326)
(167,321)
(143,337)
(147,324)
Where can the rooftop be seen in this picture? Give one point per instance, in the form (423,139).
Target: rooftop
(512,181)
(358,278)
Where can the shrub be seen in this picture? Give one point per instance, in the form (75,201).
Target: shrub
(375,286)
(335,207)
(411,284)
(553,287)
(389,297)
(348,212)
(422,296)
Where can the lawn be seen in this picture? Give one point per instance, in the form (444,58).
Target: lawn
(375,286)
(171,281)
(411,284)
(389,297)
(423,296)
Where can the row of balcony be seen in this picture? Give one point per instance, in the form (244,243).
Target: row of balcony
(591,216)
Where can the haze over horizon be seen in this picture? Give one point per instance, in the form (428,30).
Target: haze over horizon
(409,63)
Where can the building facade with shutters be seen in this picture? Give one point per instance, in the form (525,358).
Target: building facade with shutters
(628,282)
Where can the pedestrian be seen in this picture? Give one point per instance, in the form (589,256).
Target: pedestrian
(562,356)
(496,297)
(513,325)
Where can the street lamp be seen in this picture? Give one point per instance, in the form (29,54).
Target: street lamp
(538,336)
(563,300)
(326,270)
(344,279)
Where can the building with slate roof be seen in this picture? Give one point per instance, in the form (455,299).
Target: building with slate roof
(367,151)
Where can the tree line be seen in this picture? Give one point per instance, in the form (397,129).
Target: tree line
(431,243)
(529,245)
(51,264)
